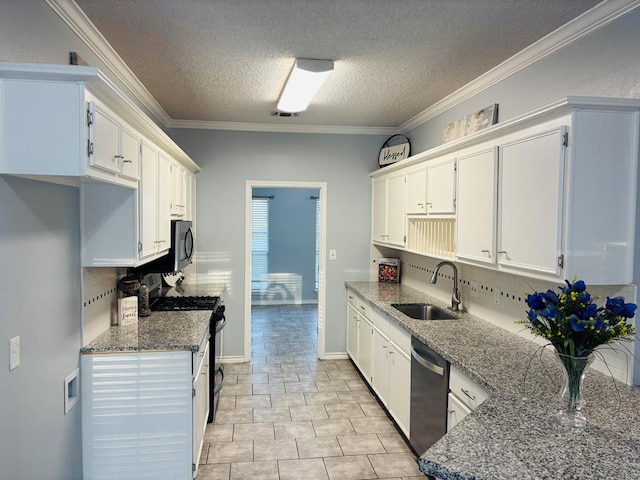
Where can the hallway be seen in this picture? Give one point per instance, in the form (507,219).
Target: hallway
(288,416)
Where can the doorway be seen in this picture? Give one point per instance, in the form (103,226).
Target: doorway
(276,270)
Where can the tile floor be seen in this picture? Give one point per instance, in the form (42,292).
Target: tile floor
(288,416)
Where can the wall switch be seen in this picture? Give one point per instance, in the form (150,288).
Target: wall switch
(14,352)
(473,286)
(71,390)
(496,296)
(333,254)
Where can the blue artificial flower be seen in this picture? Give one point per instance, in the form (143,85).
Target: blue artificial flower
(550,312)
(599,325)
(577,325)
(533,315)
(551,297)
(629,310)
(579,286)
(616,305)
(590,311)
(536,301)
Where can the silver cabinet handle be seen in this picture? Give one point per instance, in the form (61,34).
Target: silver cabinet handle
(502,252)
(450,412)
(384,346)
(466,392)
(118,156)
(160,241)
(484,251)
(127,161)
(420,205)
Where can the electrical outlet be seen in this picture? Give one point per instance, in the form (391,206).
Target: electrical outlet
(14,352)
(473,286)
(333,254)
(496,296)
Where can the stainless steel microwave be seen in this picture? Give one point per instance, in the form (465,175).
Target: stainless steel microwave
(180,254)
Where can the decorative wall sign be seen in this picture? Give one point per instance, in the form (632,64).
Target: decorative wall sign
(394,149)
(471,123)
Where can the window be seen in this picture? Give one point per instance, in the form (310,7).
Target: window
(259,244)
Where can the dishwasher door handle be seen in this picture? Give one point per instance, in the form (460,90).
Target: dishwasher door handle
(437,369)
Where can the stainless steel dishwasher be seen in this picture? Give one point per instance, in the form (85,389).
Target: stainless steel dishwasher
(429,388)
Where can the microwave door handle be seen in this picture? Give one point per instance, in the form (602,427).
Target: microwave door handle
(188,243)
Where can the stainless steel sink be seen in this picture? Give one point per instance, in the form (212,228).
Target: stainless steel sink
(424,311)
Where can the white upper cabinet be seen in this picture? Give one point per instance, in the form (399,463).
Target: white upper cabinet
(389,220)
(476,205)
(441,186)
(531,185)
(416,203)
(130,151)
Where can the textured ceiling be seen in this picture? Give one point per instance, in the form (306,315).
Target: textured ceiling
(227,61)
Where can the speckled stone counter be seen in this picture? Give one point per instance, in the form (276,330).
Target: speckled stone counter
(182,330)
(514,434)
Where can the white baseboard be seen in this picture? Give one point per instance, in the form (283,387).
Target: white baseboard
(235,359)
(262,303)
(336,356)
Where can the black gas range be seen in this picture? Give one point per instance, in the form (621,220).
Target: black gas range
(217,323)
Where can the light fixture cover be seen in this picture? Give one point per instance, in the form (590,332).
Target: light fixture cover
(305,79)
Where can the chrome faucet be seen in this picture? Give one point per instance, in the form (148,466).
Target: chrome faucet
(455,297)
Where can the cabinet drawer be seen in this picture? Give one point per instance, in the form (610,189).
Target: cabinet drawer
(470,393)
(352,298)
(381,322)
(400,337)
(456,411)
(364,308)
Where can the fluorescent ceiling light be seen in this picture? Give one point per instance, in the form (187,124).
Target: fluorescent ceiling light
(303,83)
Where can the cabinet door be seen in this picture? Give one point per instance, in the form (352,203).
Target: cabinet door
(148,191)
(164,203)
(381,365)
(400,387)
(352,333)
(188,195)
(530,211)
(396,220)
(441,184)
(476,206)
(365,346)
(456,411)
(130,153)
(416,202)
(379,210)
(200,405)
(105,139)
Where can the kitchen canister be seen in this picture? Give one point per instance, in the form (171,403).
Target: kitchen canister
(143,301)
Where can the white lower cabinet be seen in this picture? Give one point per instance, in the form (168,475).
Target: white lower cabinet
(365,347)
(380,382)
(399,403)
(143,414)
(464,397)
(352,333)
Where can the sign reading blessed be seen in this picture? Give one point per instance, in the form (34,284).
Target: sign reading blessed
(396,148)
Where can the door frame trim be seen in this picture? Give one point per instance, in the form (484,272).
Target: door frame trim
(322,276)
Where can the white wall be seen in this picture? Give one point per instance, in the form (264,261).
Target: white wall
(229,159)
(40,301)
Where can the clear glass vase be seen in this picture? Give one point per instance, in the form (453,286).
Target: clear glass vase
(572,400)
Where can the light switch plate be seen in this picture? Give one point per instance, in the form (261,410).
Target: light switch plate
(14,352)
(333,254)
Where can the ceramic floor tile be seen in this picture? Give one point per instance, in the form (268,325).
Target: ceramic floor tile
(371,409)
(204,453)
(357,384)
(266,369)
(322,398)
(218,432)
(227,402)
(253,378)
(238,415)
(344,410)
(393,443)
(232,368)
(303,429)
(315,447)
(279,449)
(258,360)
(332,386)
(288,400)
(226,452)
(230,379)
(295,367)
(359,396)
(271,414)
(218,471)
(308,412)
(355,467)
(333,427)
(389,464)
(300,387)
(284,377)
(361,444)
(253,401)
(268,388)
(253,431)
(302,469)
(313,376)
(342,374)
(254,471)
(372,425)
(236,389)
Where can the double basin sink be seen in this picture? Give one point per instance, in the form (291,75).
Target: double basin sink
(424,311)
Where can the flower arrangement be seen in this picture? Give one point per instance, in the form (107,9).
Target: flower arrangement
(576,326)
(573,323)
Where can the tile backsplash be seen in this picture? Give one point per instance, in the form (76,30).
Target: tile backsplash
(100,300)
(501,300)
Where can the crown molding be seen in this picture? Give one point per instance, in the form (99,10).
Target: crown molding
(282,128)
(80,24)
(581,26)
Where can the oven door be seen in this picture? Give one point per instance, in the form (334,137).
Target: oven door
(218,372)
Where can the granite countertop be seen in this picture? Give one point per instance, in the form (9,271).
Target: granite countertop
(514,433)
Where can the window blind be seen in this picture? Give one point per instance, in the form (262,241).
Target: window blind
(259,244)
(317,243)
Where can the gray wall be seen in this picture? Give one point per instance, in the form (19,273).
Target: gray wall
(292,239)
(39,301)
(229,159)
